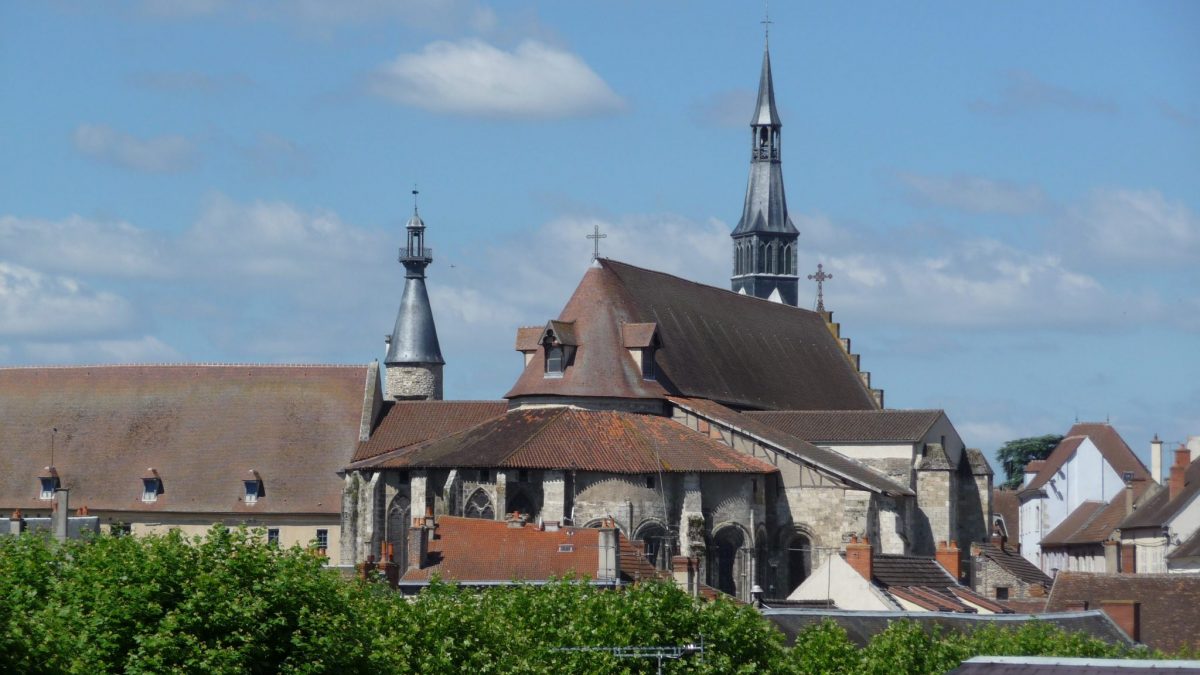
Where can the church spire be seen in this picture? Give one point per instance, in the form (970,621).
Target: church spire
(414,357)
(764,241)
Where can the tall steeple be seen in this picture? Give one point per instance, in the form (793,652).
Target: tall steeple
(414,358)
(764,241)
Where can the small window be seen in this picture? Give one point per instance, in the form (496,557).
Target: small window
(650,482)
(49,485)
(272,536)
(323,539)
(554,361)
(484,475)
(151,489)
(253,491)
(1002,592)
(648,364)
(566,548)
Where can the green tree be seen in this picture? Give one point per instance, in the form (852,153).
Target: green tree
(1015,454)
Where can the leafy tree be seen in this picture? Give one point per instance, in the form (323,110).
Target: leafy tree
(1015,454)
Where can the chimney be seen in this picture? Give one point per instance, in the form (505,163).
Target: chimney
(16,523)
(609,563)
(859,555)
(1126,614)
(1156,460)
(686,573)
(1183,457)
(1129,496)
(950,557)
(1112,556)
(418,544)
(61,513)
(515,519)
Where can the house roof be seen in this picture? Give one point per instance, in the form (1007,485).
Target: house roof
(1073,523)
(1159,507)
(909,570)
(925,583)
(1106,439)
(1009,558)
(1094,525)
(832,462)
(404,423)
(1170,603)
(715,344)
(202,428)
(567,438)
(852,426)
(1190,548)
(1006,504)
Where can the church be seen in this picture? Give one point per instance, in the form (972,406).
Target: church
(730,427)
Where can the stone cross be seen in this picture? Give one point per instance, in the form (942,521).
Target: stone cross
(820,277)
(596,237)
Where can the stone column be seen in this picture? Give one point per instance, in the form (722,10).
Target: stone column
(370,513)
(349,539)
(554,496)
(691,519)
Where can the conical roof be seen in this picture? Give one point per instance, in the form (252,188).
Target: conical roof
(414,339)
(765,113)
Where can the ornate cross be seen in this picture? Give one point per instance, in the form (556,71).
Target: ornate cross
(820,277)
(596,237)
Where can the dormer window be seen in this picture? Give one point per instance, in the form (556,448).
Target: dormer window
(554,361)
(648,370)
(49,483)
(152,486)
(253,488)
(641,339)
(558,342)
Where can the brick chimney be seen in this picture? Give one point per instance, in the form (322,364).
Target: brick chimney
(608,565)
(1126,614)
(949,556)
(418,544)
(1183,457)
(686,572)
(859,555)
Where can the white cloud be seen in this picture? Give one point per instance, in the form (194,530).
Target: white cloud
(975,194)
(727,108)
(161,154)
(34,305)
(1139,226)
(1025,92)
(81,246)
(474,78)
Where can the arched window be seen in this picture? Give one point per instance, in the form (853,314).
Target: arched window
(399,519)
(799,560)
(479,506)
(789,267)
(727,561)
(657,543)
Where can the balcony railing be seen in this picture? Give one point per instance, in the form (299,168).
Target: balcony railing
(416,254)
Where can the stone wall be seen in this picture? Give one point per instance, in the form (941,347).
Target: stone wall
(414,382)
(987,576)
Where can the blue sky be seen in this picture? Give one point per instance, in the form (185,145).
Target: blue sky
(1007,194)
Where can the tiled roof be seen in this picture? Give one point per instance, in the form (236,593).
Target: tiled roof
(1106,439)
(1170,603)
(1007,504)
(828,460)
(1188,549)
(1159,508)
(404,423)
(716,344)
(908,570)
(1073,523)
(1010,559)
(852,426)
(567,438)
(201,427)
(1099,524)
(528,337)
(638,335)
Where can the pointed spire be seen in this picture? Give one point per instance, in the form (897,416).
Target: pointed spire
(414,356)
(765,113)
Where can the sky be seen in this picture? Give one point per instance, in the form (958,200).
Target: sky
(1007,194)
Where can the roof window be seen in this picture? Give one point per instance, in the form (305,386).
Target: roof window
(152,486)
(49,483)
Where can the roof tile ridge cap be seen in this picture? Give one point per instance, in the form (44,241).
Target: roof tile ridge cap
(692,282)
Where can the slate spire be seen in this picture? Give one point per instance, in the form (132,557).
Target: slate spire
(414,357)
(764,241)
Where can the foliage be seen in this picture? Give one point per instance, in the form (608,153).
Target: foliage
(230,603)
(1015,454)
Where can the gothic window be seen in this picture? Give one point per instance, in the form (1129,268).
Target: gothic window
(479,506)
(772,258)
(520,503)
(399,519)
(788,266)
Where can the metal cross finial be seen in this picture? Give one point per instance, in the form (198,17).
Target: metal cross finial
(820,277)
(596,237)
(766,22)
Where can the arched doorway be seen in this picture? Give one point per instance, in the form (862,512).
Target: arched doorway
(479,506)
(727,563)
(399,519)
(799,559)
(657,543)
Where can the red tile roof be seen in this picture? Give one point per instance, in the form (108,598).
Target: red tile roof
(405,423)
(716,344)
(1073,523)
(1170,603)
(201,427)
(1006,503)
(1094,525)
(567,438)
(1106,439)
(853,426)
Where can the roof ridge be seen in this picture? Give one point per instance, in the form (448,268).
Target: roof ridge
(716,288)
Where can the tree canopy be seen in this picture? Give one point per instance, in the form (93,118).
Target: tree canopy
(1015,454)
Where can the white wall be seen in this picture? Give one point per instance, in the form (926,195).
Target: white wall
(835,579)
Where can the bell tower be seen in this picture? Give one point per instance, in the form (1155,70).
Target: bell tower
(764,241)
(414,358)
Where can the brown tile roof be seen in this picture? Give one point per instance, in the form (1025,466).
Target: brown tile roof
(638,335)
(1007,504)
(1170,603)
(567,438)
(1010,559)
(528,337)
(1073,523)
(1099,524)
(716,344)
(927,584)
(828,460)
(1159,508)
(201,427)
(1188,549)
(1106,439)
(405,423)
(852,426)
(909,570)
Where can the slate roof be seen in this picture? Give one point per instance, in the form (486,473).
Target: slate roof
(567,438)
(201,427)
(852,426)
(1159,508)
(1106,439)
(1170,603)
(828,460)
(404,423)
(862,626)
(1094,525)
(908,570)
(1010,559)
(715,344)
